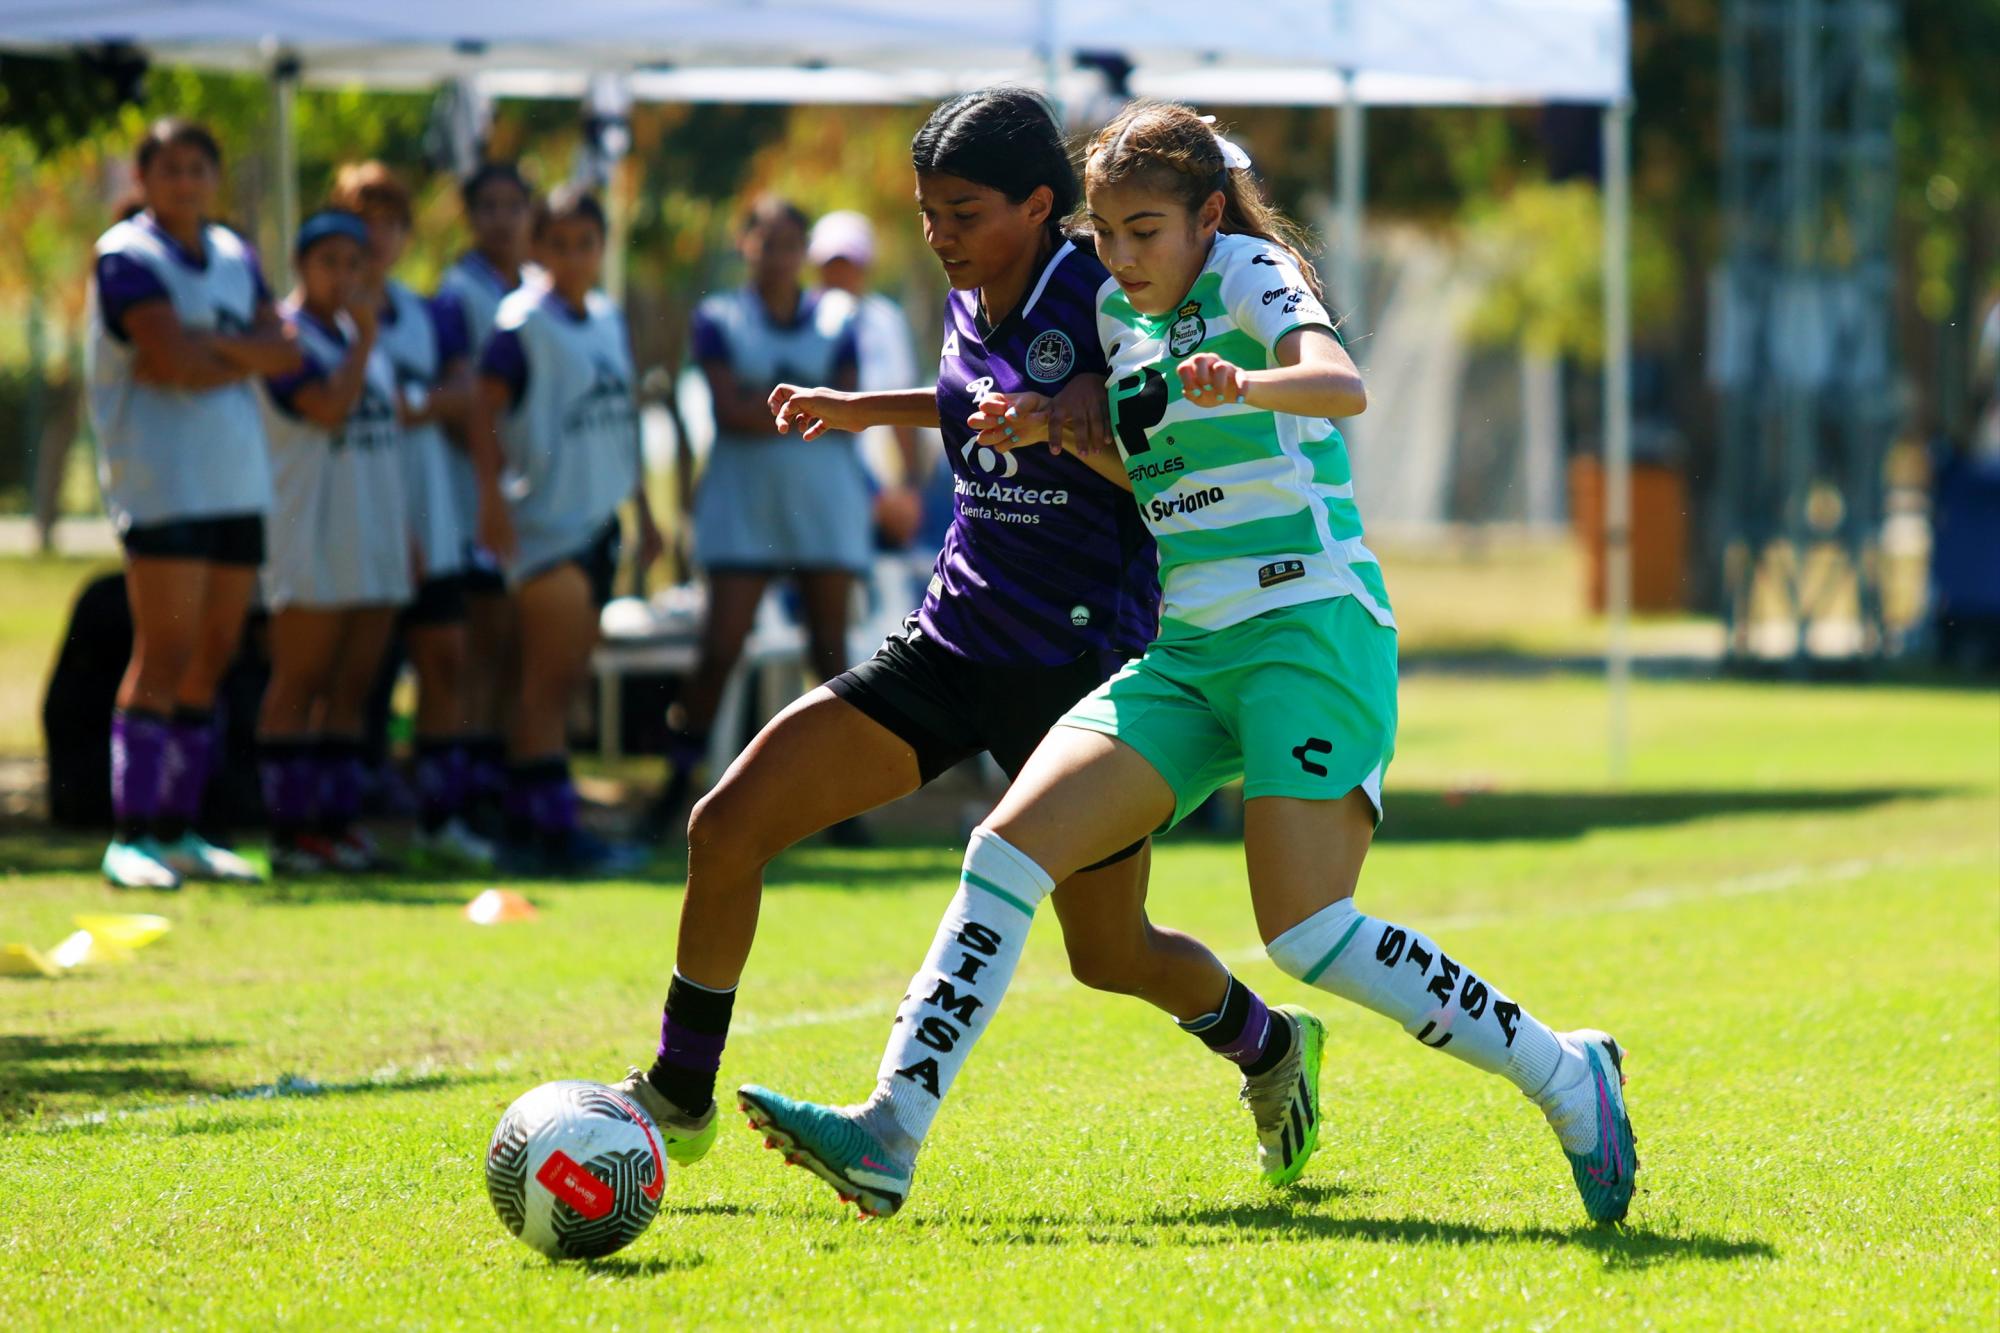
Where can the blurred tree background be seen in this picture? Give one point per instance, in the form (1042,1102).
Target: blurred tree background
(1511,190)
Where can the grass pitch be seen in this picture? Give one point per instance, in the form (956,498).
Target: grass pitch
(1792,918)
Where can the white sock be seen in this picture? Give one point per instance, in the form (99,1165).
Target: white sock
(1399,973)
(952,998)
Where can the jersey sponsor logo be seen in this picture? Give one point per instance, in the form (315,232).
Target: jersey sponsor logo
(993,490)
(1079,616)
(1051,356)
(1188,502)
(1188,331)
(978,455)
(1147,471)
(1290,295)
(1280,571)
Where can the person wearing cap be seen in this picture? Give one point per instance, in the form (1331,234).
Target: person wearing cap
(180,325)
(340,564)
(842,248)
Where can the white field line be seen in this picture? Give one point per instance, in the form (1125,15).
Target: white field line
(1783,879)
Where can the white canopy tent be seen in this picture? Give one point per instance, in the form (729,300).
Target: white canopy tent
(1348,54)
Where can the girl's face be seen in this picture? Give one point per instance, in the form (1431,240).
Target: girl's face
(572,250)
(330,273)
(499,217)
(976,232)
(180,183)
(1149,240)
(775,251)
(387,237)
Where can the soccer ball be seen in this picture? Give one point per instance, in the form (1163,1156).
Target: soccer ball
(575,1170)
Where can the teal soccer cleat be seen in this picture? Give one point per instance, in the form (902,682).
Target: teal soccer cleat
(831,1143)
(1607,1172)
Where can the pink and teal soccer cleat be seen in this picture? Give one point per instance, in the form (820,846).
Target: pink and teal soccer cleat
(832,1143)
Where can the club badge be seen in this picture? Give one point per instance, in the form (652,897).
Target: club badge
(1188,331)
(1051,356)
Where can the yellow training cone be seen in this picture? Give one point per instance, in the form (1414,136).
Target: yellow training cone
(24,960)
(126,932)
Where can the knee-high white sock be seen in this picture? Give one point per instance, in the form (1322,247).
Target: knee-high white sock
(1400,973)
(952,998)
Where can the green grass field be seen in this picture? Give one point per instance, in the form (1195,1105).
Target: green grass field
(1791,917)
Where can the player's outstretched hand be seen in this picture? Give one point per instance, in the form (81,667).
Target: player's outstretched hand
(1209,381)
(813,412)
(1009,421)
(1080,417)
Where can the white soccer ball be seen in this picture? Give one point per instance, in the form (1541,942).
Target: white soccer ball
(575,1170)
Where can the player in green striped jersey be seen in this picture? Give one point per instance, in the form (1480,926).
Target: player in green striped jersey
(1276,661)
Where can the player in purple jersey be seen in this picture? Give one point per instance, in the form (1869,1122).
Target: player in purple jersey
(1046,584)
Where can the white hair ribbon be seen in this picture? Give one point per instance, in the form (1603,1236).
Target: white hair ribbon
(1233,157)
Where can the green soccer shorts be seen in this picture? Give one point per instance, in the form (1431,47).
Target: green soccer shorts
(1299,701)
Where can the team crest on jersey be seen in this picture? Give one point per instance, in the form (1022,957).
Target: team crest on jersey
(1187,332)
(1051,356)
(950,343)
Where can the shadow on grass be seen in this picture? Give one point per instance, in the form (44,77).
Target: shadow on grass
(82,1082)
(35,1069)
(1619,1246)
(626,1266)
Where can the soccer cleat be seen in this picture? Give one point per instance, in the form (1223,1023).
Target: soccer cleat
(1590,1113)
(686,1138)
(1284,1100)
(140,864)
(194,857)
(456,845)
(306,854)
(831,1143)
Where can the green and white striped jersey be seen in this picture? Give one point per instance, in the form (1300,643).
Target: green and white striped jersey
(1252,510)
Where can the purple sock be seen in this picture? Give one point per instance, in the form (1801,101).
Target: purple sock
(693,1029)
(138,753)
(440,776)
(543,795)
(343,779)
(185,769)
(1240,1030)
(288,772)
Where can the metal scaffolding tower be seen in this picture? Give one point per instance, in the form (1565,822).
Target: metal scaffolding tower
(1802,339)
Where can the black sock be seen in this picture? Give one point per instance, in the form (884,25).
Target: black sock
(692,1031)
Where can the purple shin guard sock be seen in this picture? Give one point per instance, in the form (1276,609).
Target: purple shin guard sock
(693,1029)
(138,759)
(343,779)
(289,773)
(189,759)
(542,794)
(1242,1030)
(440,778)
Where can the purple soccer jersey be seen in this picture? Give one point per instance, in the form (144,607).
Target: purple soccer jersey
(1045,560)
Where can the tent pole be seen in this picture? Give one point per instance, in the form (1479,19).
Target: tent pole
(284,146)
(1617,426)
(1351,173)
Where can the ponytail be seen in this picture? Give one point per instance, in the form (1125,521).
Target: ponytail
(1178,153)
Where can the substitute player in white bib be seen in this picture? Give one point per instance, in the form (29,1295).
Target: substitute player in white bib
(499,211)
(180,323)
(553,413)
(427,348)
(340,560)
(1276,664)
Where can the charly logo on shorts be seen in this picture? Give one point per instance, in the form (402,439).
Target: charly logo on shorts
(1051,356)
(1079,616)
(1187,332)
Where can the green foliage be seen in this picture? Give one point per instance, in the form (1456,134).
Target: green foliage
(1815,1118)
(1541,249)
